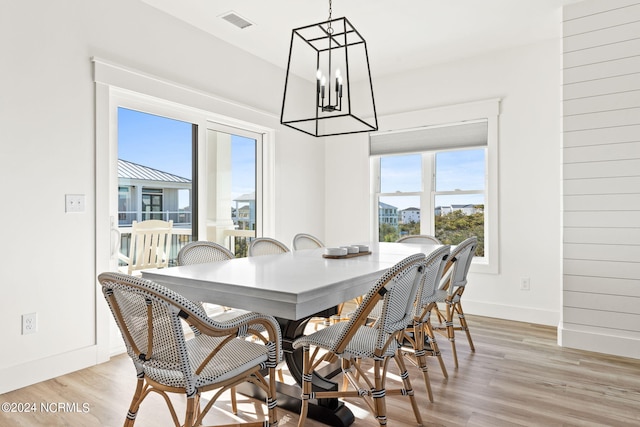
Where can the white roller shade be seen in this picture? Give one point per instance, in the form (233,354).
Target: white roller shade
(442,137)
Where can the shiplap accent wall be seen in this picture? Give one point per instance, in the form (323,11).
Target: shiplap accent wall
(601,168)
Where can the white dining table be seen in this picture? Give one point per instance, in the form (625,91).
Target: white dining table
(292,287)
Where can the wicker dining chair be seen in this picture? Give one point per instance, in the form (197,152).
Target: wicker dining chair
(353,341)
(419,238)
(419,337)
(202,251)
(306,241)
(450,294)
(266,246)
(150,318)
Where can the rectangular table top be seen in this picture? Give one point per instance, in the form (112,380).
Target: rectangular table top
(292,285)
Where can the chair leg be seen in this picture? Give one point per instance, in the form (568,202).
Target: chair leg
(234,401)
(406,381)
(193,403)
(451,334)
(434,347)
(378,394)
(464,326)
(272,399)
(421,357)
(135,403)
(306,386)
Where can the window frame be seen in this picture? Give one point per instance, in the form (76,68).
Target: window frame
(488,110)
(120,86)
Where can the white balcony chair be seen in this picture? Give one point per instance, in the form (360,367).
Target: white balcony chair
(149,247)
(219,357)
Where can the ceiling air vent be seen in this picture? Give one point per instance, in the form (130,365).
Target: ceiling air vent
(236,20)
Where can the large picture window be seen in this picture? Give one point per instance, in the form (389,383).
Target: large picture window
(438,180)
(455,192)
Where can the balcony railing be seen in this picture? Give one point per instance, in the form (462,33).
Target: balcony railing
(180,218)
(237,241)
(179,238)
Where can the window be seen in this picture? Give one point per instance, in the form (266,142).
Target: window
(156,175)
(455,192)
(119,88)
(152,203)
(439,180)
(233,195)
(155,169)
(459,196)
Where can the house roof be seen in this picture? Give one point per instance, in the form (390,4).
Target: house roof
(130,170)
(386,206)
(246,197)
(456,206)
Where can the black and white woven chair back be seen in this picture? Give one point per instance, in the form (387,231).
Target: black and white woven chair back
(148,316)
(434,268)
(201,252)
(398,287)
(463,254)
(266,246)
(306,241)
(419,238)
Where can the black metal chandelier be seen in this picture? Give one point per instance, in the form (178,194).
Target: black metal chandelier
(342,92)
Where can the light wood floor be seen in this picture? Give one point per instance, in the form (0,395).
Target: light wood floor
(518,376)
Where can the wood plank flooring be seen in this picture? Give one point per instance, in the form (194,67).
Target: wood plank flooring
(518,376)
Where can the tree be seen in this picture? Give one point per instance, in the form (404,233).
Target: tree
(409,229)
(388,233)
(456,226)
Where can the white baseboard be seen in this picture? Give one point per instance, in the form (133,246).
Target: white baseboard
(508,312)
(35,371)
(598,340)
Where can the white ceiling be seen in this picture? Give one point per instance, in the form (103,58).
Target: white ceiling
(400,35)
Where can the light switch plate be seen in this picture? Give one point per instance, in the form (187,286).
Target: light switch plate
(74,202)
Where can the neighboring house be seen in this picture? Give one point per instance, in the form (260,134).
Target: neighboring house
(466,209)
(246,211)
(410,215)
(147,193)
(387,214)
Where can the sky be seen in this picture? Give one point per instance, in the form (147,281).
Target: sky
(165,144)
(455,170)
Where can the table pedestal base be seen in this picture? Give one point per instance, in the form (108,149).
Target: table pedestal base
(331,412)
(289,399)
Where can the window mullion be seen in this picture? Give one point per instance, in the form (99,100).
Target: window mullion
(427,197)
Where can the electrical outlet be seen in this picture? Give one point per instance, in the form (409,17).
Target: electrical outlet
(74,202)
(29,323)
(525,284)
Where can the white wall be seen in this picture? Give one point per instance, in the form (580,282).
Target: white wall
(528,81)
(601,95)
(47,150)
